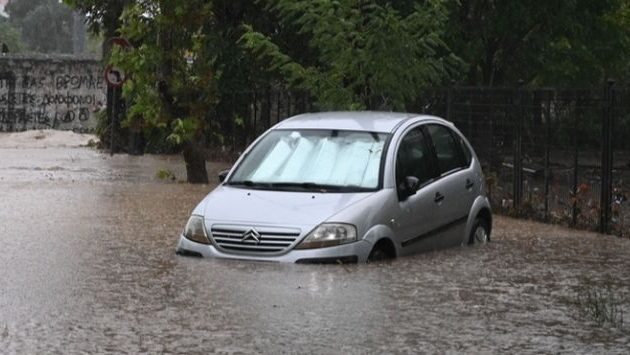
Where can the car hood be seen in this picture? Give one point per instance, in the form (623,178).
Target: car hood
(277,208)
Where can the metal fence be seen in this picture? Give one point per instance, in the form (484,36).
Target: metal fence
(557,155)
(245,115)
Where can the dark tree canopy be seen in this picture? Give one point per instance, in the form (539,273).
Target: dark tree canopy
(552,42)
(360,54)
(103,16)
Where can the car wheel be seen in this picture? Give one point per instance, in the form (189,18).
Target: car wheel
(480,232)
(381,251)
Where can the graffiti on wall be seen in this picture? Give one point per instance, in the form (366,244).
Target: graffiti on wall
(51,94)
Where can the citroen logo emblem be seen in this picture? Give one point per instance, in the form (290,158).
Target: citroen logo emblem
(251,234)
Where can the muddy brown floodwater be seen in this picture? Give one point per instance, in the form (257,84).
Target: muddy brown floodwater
(87,265)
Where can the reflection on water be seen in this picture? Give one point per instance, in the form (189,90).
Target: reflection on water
(88,265)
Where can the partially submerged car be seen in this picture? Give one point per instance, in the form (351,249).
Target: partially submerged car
(345,187)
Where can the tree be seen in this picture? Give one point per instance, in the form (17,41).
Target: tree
(48,28)
(102,16)
(367,55)
(592,47)
(46,25)
(162,84)
(550,42)
(173,86)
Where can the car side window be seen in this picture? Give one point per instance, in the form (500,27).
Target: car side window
(447,150)
(413,158)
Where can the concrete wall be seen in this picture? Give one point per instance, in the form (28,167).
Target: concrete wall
(41,91)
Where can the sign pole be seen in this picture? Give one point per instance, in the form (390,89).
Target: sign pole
(113,120)
(115,78)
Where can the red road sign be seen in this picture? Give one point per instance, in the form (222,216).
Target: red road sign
(114,76)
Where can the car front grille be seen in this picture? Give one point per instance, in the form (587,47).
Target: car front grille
(253,240)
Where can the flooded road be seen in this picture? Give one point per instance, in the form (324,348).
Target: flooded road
(88,266)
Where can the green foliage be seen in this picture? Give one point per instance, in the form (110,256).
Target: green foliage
(239,121)
(10,36)
(602,304)
(174,80)
(103,16)
(594,45)
(545,43)
(367,55)
(48,28)
(172,86)
(103,19)
(165,174)
(45,25)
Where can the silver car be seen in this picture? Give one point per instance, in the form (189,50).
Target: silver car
(344,187)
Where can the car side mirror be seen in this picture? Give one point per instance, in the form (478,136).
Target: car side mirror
(223,174)
(408,187)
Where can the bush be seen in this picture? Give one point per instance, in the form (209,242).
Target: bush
(601,304)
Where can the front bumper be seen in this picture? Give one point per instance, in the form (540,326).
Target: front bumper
(359,249)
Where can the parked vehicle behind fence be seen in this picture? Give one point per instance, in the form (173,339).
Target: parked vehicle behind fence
(345,187)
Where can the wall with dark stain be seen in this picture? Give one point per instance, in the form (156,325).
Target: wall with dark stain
(42,91)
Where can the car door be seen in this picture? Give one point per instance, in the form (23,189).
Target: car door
(415,216)
(455,184)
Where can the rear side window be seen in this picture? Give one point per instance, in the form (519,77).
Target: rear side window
(413,158)
(447,149)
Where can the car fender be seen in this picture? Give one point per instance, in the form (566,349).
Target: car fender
(378,232)
(480,203)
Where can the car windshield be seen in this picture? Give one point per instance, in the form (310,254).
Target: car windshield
(324,160)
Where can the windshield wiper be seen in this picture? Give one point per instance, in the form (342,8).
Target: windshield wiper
(305,185)
(301,186)
(249,183)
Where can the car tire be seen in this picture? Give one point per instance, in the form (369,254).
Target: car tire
(381,251)
(377,254)
(480,232)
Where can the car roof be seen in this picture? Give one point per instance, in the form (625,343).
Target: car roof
(370,121)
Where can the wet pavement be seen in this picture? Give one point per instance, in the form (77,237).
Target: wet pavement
(88,266)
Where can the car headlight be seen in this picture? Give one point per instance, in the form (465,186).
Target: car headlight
(195,230)
(329,234)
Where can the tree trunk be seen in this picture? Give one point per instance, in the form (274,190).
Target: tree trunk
(195,159)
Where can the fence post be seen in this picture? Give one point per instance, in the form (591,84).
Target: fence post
(547,152)
(574,187)
(278,107)
(518,149)
(268,111)
(233,126)
(114,112)
(288,103)
(449,101)
(607,160)
(254,129)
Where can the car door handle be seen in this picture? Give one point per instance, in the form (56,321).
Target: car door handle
(469,184)
(438,197)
